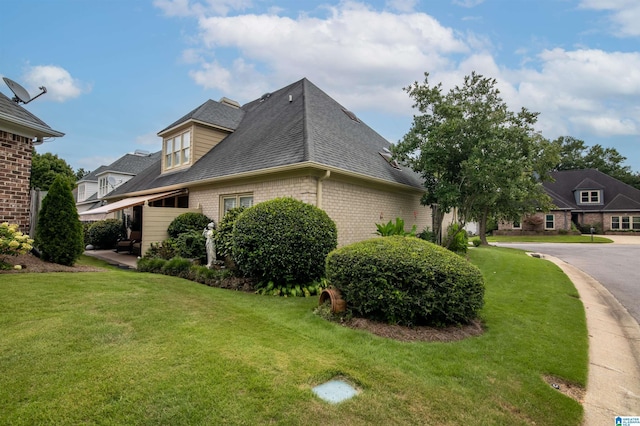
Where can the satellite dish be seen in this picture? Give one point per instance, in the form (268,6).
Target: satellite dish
(111,180)
(21,94)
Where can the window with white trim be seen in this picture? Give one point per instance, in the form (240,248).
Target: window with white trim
(236,200)
(103,184)
(177,150)
(590,197)
(549,221)
(81,192)
(625,223)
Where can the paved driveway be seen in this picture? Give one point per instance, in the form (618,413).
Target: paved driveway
(616,266)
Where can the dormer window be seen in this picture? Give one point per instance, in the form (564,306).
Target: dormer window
(590,197)
(177,150)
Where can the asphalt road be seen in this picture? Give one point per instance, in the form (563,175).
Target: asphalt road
(615,266)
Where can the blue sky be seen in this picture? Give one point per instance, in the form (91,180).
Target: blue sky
(119,71)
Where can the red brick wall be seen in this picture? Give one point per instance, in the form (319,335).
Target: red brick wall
(15,170)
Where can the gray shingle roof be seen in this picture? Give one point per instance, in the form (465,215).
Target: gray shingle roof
(212,112)
(276,131)
(617,195)
(131,163)
(17,115)
(93,176)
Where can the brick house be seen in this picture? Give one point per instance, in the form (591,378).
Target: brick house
(296,142)
(585,199)
(20,130)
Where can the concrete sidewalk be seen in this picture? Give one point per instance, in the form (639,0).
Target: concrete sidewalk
(613,387)
(121,260)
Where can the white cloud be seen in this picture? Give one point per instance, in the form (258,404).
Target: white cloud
(352,47)
(59,83)
(625,15)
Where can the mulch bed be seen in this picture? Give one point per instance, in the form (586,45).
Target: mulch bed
(31,263)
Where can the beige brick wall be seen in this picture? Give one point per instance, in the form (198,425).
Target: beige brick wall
(355,208)
(15,171)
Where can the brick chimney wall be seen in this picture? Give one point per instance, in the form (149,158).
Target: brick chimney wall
(15,171)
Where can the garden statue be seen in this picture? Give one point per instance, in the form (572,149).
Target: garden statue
(210,245)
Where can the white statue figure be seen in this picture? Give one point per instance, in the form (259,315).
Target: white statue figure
(210,245)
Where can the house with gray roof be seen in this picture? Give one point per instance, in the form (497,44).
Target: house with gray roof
(294,142)
(20,130)
(95,186)
(586,198)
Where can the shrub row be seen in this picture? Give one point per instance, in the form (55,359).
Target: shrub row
(184,268)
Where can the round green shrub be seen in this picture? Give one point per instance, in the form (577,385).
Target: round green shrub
(283,240)
(406,281)
(105,233)
(224,235)
(191,245)
(188,222)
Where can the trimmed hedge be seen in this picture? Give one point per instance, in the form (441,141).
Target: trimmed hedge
(188,222)
(406,281)
(284,241)
(105,233)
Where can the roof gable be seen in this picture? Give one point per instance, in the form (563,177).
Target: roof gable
(588,184)
(296,124)
(130,164)
(616,195)
(219,114)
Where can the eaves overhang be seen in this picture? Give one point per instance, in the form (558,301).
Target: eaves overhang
(190,122)
(320,168)
(27,128)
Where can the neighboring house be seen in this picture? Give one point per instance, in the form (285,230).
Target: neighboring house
(87,191)
(295,142)
(20,130)
(105,179)
(585,198)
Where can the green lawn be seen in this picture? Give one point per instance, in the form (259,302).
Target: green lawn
(123,347)
(548,239)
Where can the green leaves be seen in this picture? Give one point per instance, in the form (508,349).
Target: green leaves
(396,228)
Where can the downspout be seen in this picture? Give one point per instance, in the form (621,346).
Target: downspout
(327,173)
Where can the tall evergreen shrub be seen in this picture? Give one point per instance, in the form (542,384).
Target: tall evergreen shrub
(59,235)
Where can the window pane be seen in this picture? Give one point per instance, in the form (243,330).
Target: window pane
(229,203)
(549,222)
(185,155)
(625,222)
(636,222)
(594,196)
(176,158)
(186,140)
(246,201)
(615,222)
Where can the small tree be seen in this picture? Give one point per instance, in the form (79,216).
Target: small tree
(59,235)
(474,154)
(46,167)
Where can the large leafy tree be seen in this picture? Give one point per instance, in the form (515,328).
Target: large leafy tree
(475,154)
(575,155)
(44,169)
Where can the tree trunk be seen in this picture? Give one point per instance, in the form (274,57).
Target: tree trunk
(436,222)
(482,228)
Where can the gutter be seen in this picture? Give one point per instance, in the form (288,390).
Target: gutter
(326,175)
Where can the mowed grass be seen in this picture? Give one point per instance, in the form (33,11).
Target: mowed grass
(121,347)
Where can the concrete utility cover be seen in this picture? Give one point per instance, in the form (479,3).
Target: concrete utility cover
(335,391)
